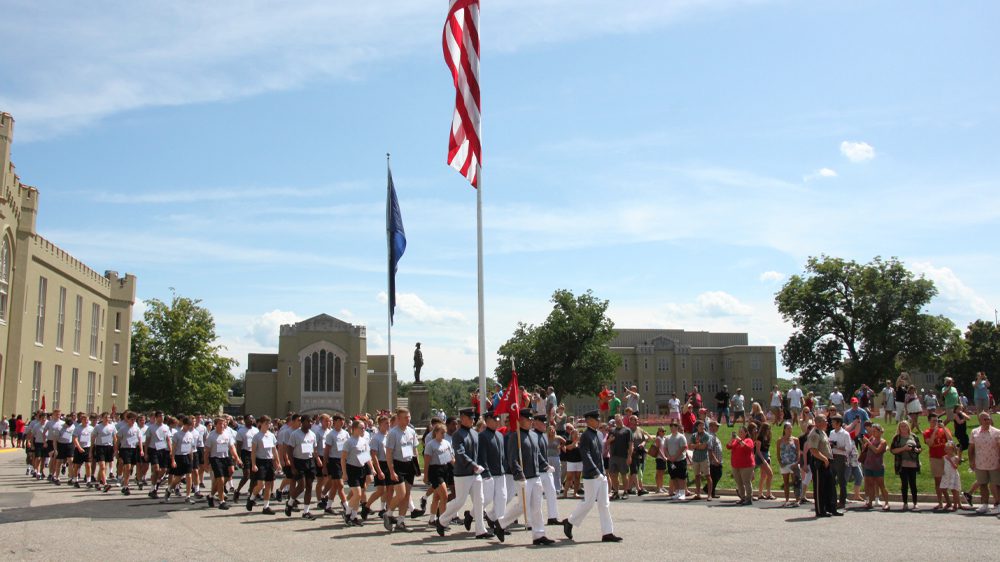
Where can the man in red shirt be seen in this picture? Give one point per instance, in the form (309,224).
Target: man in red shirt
(695,398)
(603,398)
(936,436)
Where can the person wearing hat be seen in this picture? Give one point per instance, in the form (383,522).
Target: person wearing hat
(595,483)
(468,480)
(491,455)
(855,419)
(548,478)
(526,460)
(840,442)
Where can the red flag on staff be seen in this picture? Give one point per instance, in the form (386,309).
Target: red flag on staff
(510,401)
(460,40)
(43,403)
(114,410)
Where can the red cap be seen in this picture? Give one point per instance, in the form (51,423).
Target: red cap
(854,400)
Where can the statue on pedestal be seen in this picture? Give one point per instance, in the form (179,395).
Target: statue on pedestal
(418,362)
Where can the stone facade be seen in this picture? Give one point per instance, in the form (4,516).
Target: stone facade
(65,330)
(322,365)
(662,362)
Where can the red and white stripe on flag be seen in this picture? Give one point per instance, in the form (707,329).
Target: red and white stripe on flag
(461,53)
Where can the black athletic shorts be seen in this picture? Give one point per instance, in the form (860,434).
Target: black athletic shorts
(129,456)
(104,453)
(304,468)
(64,451)
(39,449)
(220,466)
(437,474)
(404,470)
(161,458)
(661,464)
(265,470)
(678,470)
(334,470)
(384,466)
(245,458)
(183,467)
(81,458)
(449,476)
(200,455)
(355,476)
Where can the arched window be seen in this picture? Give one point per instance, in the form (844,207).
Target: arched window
(4,277)
(314,373)
(322,370)
(306,366)
(336,375)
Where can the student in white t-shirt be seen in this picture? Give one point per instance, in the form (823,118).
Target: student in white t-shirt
(82,439)
(262,453)
(129,447)
(795,402)
(220,448)
(183,445)
(305,460)
(333,448)
(322,427)
(246,434)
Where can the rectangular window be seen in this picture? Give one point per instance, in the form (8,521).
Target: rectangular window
(74,381)
(663,364)
(645,363)
(78,324)
(729,365)
(625,365)
(36,386)
(56,387)
(91,390)
(118,321)
(114,385)
(757,385)
(115,351)
(645,386)
(95,326)
(43,285)
(755,363)
(61,319)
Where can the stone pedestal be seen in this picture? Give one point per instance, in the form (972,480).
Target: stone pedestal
(419,403)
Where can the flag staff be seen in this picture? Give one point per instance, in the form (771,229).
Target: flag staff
(520,455)
(479,264)
(388,287)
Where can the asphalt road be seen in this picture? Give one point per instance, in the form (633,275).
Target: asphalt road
(41,521)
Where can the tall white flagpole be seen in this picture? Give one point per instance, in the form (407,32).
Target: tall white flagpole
(479,257)
(388,287)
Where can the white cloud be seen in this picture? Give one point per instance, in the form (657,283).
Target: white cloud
(721,303)
(958,297)
(77,65)
(772,276)
(264,329)
(857,151)
(820,174)
(416,308)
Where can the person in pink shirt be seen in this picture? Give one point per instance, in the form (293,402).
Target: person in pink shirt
(984,459)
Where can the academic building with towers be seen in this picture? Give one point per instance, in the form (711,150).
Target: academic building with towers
(663,362)
(65,329)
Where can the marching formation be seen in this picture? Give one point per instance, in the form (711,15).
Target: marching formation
(366,467)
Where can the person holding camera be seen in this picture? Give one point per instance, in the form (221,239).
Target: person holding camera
(906,447)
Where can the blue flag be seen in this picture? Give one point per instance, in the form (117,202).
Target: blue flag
(397,241)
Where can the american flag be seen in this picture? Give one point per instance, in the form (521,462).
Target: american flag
(461,53)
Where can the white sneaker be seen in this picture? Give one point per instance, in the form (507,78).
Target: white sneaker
(878,502)
(681,496)
(983,509)
(996,510)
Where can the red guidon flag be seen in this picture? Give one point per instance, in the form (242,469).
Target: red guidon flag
(509,402)
(43,403)
(461,53)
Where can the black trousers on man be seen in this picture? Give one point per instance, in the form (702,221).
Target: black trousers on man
(824,491)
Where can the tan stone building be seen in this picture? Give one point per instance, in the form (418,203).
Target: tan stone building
(322,365)
(663,362)
(64,328)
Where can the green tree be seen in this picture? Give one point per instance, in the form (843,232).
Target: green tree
(448,395)
(865,319)
(176,364)
(980,351)
(569,351)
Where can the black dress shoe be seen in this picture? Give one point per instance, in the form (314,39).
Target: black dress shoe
(439,527)
(837,513)
(610,537)
(567,529)
(552,521)
(468,521)
(822,515)
(542,541)
(498,532)
(484,536)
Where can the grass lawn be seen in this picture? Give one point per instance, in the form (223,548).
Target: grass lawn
(925,483)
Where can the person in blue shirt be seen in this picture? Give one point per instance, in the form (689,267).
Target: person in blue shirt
(854,421)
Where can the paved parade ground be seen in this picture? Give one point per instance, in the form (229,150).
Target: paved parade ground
(41,521)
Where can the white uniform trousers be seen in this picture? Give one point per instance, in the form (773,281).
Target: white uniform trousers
(466,486)
(495,496)
(512,488)
(594,490)
(533,490)
(549,489)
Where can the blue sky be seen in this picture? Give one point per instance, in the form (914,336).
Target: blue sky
(679,158)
